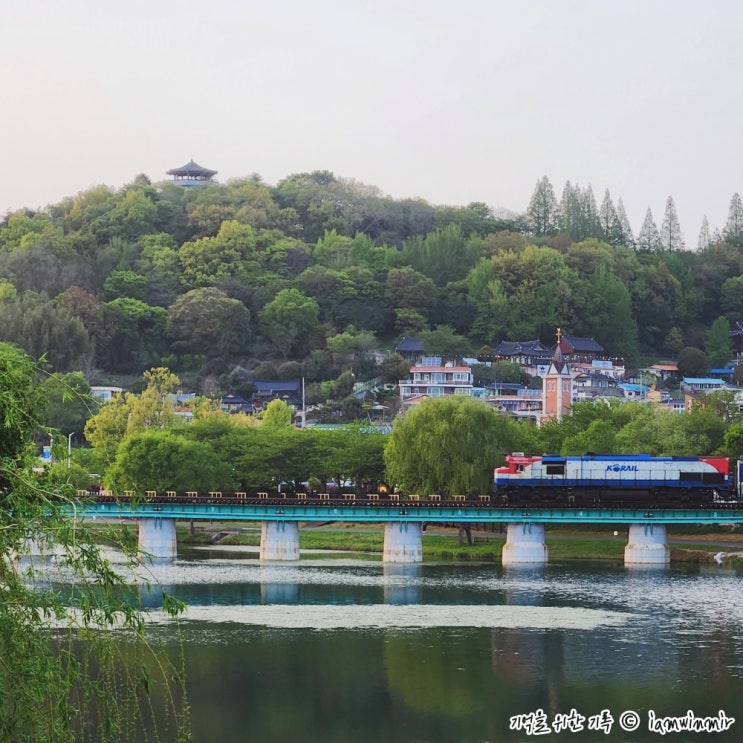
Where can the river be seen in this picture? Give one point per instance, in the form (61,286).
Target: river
(337,649)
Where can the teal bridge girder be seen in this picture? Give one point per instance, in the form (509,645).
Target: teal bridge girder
(439,513)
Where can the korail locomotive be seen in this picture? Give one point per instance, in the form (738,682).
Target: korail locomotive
(614,480)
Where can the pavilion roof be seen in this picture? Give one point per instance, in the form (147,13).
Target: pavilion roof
(192,170)
(517,348)
(572,344)
(409,345)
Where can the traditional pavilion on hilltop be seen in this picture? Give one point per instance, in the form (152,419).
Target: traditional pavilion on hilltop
(192,174)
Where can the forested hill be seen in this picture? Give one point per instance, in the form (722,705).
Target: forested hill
(318,270)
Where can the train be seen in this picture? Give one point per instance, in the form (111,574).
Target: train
(614,480)
(548,480)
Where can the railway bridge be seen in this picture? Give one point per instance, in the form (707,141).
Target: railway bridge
(403,522)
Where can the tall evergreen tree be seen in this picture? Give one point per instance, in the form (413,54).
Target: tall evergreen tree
(578,215)
(671,237)
(704,236)
(733,232)
(717,344)
(649,237)
(567,211)
(628,238)
(610,227)
(589,225)
(541,216)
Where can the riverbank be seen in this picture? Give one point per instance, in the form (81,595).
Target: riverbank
(442,543)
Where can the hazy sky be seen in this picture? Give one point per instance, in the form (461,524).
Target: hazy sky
(451,101)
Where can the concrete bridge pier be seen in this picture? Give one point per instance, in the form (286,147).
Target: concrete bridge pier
(39,547)
(157,538)
(279,540)
(647,545)
(524,544)
(403,541)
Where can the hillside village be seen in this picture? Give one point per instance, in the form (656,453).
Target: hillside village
(350,305)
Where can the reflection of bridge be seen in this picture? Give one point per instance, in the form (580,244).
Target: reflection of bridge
(403,523)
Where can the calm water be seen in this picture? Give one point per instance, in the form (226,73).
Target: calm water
(352,651)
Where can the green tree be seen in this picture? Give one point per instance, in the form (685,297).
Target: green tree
(444,342)
(448,445)
(733,441)
(163,460)
(499,371)
(443,255)
(64,678)
(692,362)
(409,289)
(671,236)
(69,402)
(599,437)
(107,428)
(277,414)
(731,298)
(718,346)
(649,237)
(541,214)
(91,311)
(350,345)
(207,322)
(358,454)
(409,322)
(733,231)
(674,341)
(125,284)
(139,338)
(230,254)
(289,320)
(34,323)
(128,414)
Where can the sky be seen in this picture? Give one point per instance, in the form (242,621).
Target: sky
(451,102)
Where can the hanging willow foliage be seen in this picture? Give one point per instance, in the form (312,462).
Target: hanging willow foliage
(75,660)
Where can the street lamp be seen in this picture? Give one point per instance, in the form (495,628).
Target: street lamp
(69,449)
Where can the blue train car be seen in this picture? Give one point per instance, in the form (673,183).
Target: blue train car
(613,479)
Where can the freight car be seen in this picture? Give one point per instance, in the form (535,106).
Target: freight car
(613,480)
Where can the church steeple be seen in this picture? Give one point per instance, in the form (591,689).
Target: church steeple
(557,385)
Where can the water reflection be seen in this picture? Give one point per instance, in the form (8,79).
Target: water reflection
(402,583)
(426,652)
(280,593)
(639,568)
(524,584)
(151,595)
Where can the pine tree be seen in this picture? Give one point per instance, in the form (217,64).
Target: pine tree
(541,216)
(589,222)
(674,341)
(567,211)
(717,343)
(704,236)
(671,237)
(611,229)
(733,232)
(649,238)
(628,238)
